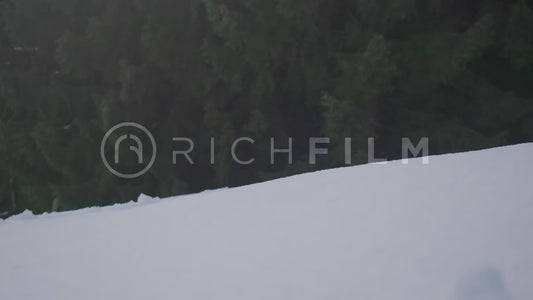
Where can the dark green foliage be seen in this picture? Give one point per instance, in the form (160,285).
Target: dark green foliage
(458,72)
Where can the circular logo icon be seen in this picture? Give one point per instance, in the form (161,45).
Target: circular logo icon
(128,141)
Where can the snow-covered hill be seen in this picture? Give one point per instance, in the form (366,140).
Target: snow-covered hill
(458,228)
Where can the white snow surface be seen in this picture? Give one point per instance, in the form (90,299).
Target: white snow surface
(459,228)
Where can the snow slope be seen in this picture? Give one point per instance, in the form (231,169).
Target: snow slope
(458,228)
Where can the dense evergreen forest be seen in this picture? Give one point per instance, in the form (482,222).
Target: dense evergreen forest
(459,72)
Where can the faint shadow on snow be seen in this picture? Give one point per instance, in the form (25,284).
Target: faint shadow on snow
(484,283)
